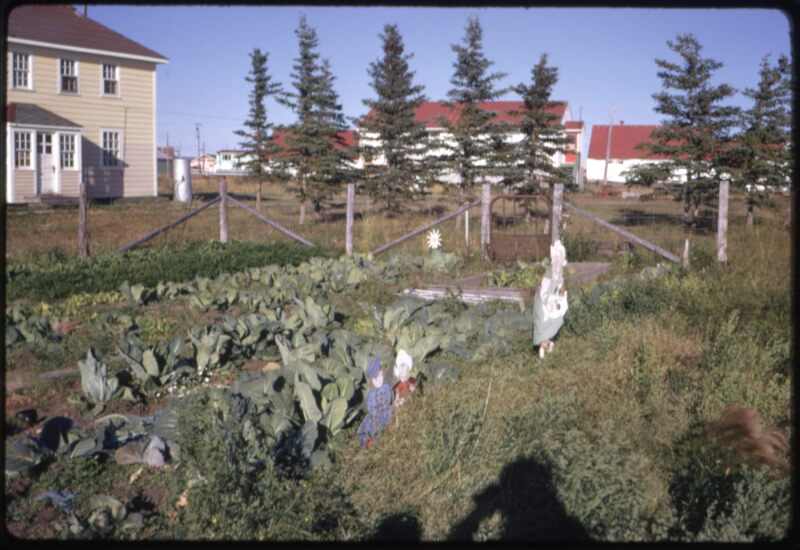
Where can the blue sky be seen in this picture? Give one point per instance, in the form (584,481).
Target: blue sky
(605,56)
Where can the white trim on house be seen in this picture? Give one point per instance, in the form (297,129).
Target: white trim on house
(120,149)
(9,165)
(77,76)
(103,93)
(14,40)
(20,125)
(32,149)
(75,158)
(155,147)
(31,72)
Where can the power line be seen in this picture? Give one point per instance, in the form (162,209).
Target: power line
(196,115)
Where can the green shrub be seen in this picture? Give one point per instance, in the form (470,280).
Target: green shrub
(238,493)
(581,248)
(148,266)
(716,504)
(613,490)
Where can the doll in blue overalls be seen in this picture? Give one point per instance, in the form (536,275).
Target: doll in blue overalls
(379,405)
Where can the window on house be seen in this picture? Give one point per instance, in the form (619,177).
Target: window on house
(22,149)
(67,151)
(69,76)
(111,149)
(110,79)
(226,157)
(21,71)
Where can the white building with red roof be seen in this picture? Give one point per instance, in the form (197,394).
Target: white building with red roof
(623,154)
(434,115)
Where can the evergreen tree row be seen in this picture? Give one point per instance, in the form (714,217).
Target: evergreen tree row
(403,159)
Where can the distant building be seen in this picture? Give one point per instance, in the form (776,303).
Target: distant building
(80,105)
(624,153)
(164,159)
(229,161)
(205,164)
(433,113)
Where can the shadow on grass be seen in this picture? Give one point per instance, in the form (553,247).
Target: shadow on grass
(529,507)
(398,527)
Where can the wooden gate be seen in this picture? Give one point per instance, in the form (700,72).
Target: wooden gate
(520,228)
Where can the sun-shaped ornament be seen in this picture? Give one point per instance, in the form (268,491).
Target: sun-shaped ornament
(434,239)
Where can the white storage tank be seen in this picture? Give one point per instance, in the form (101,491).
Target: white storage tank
(182,190)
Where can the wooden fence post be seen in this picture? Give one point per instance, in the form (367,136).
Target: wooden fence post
(223,210)
(466,228)
(722,222)
(685,254)
(83,230)
(555,222)
(486,200)
(348,228)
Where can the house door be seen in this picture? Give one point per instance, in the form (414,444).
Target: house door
(45,167)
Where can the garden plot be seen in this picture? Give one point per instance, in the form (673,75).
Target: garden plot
(297,413)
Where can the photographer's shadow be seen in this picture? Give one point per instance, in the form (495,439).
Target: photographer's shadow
(528,505)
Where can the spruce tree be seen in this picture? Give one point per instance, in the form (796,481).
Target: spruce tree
(543,134)
(476,152)
(330,168)
(314,152)
(695,135)
(392,141)
(256,144)
(763,153)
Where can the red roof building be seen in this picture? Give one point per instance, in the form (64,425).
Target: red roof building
(506,112)
(624,139)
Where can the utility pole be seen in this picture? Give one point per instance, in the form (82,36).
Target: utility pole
(197,130)
(608,146)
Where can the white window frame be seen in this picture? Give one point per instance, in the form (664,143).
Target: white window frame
(31,150)
(77,76)
(121,149)
(118,75)
(75,145)
(29,87)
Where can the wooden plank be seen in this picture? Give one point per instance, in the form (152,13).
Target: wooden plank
(423,229)
(722,223)
(348,229)
(170,225)
(468,297)
(628,235)
(223,211)
(268,221)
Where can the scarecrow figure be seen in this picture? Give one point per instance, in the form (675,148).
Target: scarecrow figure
(379,405)
(405,384)
(550,303)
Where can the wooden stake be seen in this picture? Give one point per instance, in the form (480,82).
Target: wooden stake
(348,229)
(555,224)
(486,200)
(466,228)
(223,210)
(685,255)
(83,230)
(722,222)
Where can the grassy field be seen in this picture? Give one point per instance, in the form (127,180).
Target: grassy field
(607,439)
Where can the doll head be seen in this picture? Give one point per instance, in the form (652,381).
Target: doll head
(375,373)
(402,365)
